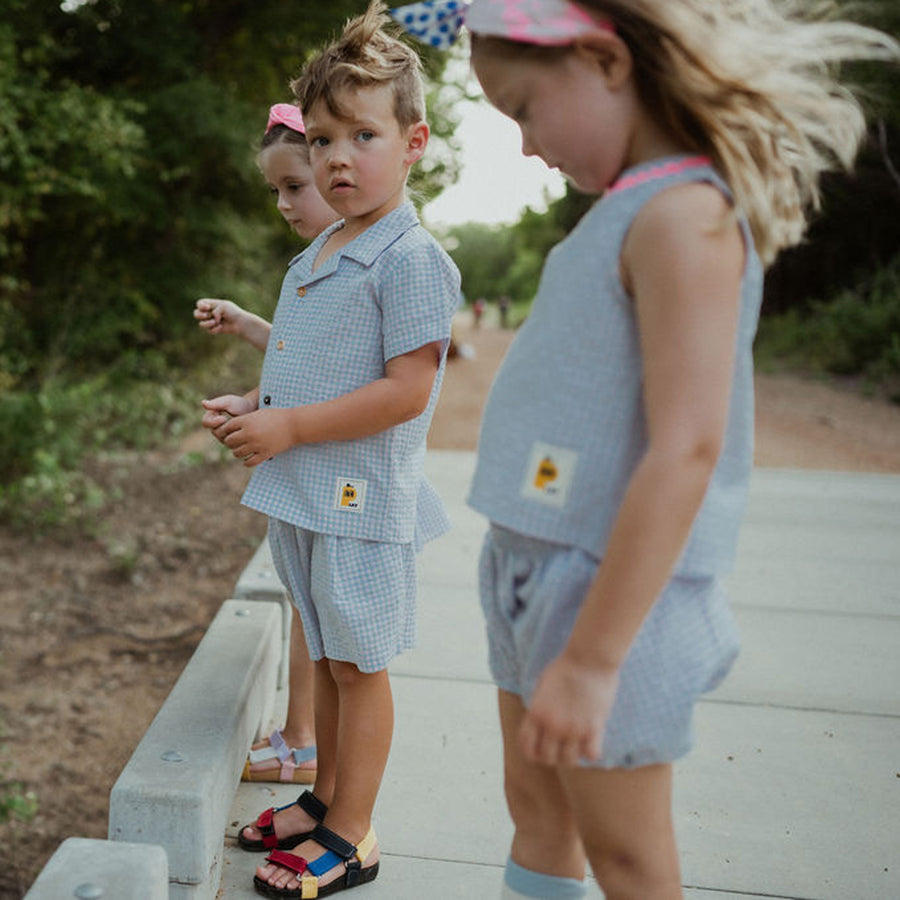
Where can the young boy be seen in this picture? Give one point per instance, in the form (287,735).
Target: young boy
(336,435)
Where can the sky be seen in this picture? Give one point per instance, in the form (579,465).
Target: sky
(497,182)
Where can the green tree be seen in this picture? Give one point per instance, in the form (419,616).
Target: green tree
(128,135)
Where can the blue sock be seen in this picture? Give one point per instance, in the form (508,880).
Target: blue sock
(521,882)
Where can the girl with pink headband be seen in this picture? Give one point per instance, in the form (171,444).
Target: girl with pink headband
(617,442)
(289,753)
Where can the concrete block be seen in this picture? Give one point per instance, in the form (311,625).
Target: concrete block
(84,869)
(260,581)
(178,785)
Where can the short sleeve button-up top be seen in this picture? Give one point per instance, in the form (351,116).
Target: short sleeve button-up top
(391,290)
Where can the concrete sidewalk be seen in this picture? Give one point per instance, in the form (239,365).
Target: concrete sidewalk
(793,790)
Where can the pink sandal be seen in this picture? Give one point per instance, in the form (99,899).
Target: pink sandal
(290,765)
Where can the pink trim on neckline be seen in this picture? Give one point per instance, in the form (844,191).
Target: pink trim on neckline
(673,167)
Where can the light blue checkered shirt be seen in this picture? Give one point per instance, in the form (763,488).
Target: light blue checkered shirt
(391,290)
(564,427)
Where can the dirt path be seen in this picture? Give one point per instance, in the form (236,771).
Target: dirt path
(97,629)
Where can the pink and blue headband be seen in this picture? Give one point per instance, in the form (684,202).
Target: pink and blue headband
(285,114)
(545,22)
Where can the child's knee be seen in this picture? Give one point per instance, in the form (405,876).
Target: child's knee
(349,675)
(634,872)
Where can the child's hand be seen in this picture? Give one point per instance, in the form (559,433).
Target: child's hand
(568,712)
(259,435)
(221,410)
(219,316)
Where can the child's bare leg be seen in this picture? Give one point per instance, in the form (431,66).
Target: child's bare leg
(299,729)
(546,841)
(624,817)
(364,728)
(294,820)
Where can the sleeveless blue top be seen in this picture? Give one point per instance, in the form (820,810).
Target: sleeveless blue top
(564,425)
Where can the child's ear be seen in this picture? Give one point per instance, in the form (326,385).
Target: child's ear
(609,53)
(416,142)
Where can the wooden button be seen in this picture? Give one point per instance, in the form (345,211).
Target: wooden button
(280,345)
(301,291)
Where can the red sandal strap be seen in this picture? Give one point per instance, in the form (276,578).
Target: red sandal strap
(265,825)
(289,861)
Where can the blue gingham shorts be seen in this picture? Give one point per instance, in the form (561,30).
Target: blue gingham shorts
(531,593)
(356,598)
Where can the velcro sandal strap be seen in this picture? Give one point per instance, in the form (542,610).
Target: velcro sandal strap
(304,754)
(287,771)
(309,887)
(277,749)
(325,863)
(262,755)
(366,845)
(266,827)
(312,805)
(289,861)
(330,840)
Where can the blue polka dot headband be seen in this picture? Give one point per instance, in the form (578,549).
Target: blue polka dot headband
(547,22)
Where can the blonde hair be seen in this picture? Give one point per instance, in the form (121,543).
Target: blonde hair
(365,55)
(752,84)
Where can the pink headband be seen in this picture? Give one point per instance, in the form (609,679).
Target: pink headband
(285,114)
(545,22)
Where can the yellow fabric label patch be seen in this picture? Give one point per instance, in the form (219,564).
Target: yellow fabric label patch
(350,494)
(549,474)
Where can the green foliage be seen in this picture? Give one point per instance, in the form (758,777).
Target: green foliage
(129,188)
(498,260)
(855,333)
(16,803)
(47,434)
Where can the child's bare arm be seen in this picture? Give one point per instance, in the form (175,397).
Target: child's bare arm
(401,395)
(226,317)
(686,284)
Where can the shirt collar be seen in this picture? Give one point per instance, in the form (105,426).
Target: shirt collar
(365,248)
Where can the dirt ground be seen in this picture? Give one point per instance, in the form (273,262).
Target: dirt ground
(96,630)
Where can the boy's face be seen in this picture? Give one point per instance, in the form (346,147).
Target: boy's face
(360,161)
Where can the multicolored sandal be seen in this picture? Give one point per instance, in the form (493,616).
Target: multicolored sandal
(307,801)
(290,765)
(337,852)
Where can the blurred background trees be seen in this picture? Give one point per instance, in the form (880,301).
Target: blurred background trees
(128,188)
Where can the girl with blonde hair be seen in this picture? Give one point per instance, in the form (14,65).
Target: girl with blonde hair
(616,445)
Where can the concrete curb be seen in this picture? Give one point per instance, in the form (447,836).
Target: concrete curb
(177,787)
(86,869)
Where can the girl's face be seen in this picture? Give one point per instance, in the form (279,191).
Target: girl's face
(571,112)
(290,180)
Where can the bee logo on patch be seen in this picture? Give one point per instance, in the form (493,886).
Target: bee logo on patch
(350,494)
(546,473)
(549,474)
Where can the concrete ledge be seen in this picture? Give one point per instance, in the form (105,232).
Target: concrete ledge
(259,581)
(85,869)
(177,787)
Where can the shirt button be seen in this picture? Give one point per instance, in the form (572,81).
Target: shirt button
(267,400)
(301,291)
(279,345)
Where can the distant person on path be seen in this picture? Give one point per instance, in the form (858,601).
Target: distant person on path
(503,305)
(289,753)
(478,311)
(336,437)
(616,444)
